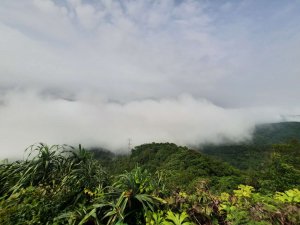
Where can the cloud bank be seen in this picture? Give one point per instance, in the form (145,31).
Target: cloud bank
(100,72)
(30,118)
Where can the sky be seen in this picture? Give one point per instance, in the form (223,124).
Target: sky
(98,72)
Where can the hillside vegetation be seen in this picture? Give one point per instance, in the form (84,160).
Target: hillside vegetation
(184,167)
(253,154)
(158,183)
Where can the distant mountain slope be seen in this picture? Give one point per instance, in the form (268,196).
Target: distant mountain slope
(275,133)
(253,154)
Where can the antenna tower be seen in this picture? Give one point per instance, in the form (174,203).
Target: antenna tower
(129,144)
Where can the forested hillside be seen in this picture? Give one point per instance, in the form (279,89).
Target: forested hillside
(158,183)
(184,166)
(276,133)
(252,154)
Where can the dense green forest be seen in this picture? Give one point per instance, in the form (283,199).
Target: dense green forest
(254,153)
(158,183)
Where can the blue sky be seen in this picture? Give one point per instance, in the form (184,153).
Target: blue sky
(112,60)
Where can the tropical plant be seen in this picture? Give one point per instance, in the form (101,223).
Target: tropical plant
(177,219)
(137,191)
(50,180)
(154,218)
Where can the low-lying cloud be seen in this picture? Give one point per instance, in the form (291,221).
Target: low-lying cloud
(27,117)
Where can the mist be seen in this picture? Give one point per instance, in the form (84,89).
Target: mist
(29,117)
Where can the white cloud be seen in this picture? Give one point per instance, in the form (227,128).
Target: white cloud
(28,118)
(140,46)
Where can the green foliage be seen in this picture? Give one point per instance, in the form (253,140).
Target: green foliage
(167,218)
(245,206)
(282,171)
(277,133)
(154,218)
(63,185)
(244,191)
(177,219)
(290,196)
(139,193)
(183,167)
(252,155)
(50,180)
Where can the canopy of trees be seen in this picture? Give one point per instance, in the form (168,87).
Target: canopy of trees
(155,184)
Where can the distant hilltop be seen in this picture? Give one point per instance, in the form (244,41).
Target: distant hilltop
(286,118)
